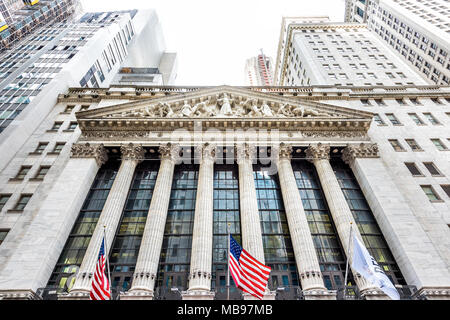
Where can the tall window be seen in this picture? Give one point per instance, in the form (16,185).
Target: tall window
(78,241)
(413,144)
(326,241)
(278,252)
(367,225)
(22,203)
(226,211)
(125,248)
(3,199)
(177,242)
(3,234)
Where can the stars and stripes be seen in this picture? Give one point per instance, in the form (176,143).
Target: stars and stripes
(100,284)
(249,274)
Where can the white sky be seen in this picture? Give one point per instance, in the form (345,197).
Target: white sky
(214,38)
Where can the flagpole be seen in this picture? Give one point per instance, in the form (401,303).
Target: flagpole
(228,261)
(348,256)
(107,261)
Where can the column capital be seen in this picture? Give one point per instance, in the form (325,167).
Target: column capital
(284,151)
(169,151)
(318,151)
(87,150)
(132,152)
(245,151)
(362,150)
(206,151)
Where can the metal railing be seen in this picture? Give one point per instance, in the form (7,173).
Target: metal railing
(289,293)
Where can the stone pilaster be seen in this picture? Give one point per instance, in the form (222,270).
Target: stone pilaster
(147,263)
(304,251)
(319,155)
(109,218)
(31,264)
(202,236)
(398,222)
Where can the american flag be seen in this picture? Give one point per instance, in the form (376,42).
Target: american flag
(100,284)
(249,274)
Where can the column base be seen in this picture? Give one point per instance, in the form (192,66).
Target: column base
(319,294)
(74,295)
(374,294)
(268,295)
(137,295)
(197,295)
(433,293)
(19,295)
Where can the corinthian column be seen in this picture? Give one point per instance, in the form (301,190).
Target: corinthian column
(250,221)
(304,251)
(109,218)
(319,155)
(148,259)
(202,235)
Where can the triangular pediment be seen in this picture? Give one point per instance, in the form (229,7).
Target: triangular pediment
(222,102)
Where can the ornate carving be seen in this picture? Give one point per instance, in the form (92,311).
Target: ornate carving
(207,151)
(245,151)
(223,107)
(169,151)
(363,150)
(87,150)
(132,152)
(334,134)
(318,151)
(285,151)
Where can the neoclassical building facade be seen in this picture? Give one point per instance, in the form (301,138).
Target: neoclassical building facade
(164,172)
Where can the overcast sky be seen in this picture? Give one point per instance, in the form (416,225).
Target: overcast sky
(214,38)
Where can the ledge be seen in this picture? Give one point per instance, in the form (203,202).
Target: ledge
(14,211)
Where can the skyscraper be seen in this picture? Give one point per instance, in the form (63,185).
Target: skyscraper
(86,53)
(20,18)
(417,31)
(259,71)
(314,51)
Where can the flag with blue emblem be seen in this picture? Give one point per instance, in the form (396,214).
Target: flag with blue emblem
(367,266)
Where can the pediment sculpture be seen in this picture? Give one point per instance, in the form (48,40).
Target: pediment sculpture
(223,107)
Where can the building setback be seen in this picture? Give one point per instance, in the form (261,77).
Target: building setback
(417,31)
(259,71)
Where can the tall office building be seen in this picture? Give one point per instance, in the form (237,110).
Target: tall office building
(315,51)
(18,18)
(259,71)
(418,31)
(87,53)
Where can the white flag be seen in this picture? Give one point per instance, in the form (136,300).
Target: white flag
(366,265)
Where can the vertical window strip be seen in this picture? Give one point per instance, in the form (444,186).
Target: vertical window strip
(73,253)
(125,248)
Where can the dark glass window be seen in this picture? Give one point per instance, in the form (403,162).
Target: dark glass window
(23,201)
(175,255)
(367,225)
(125,248)
(3,199)
(3,234)
(278,251)
(326,240)
(226,211)
(78,241)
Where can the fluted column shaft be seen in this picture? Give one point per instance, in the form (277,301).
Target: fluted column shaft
(250,221)
(152,239)
(202,235)
(340,211)
(109,217)
(304,250)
